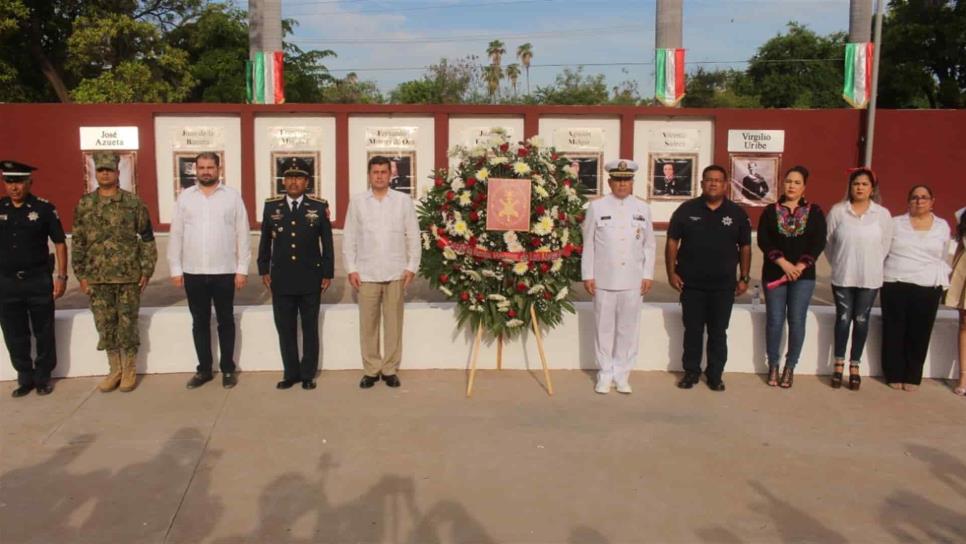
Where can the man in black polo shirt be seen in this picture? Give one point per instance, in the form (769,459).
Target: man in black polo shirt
(707,238)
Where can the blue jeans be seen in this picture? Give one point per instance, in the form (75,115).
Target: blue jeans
(852,308)
(791,300)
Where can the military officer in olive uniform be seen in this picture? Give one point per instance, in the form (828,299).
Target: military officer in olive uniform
(27,291)
(114,254)
(295,261)
(617,267)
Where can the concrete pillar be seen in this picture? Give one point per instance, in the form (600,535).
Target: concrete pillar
(669,29)
(264,25)
(860,21)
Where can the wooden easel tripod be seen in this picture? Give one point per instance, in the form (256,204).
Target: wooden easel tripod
(499,354)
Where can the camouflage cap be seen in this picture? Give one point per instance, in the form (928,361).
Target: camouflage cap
(105,160)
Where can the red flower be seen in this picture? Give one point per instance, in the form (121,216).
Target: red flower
(562,216)
(443,278)
(567,183)
(535,242)
(553,156)
(511,313)
(441,244)
(580,218)
(544,268)
(439,182)
(472,241)
(478,197)
(547,295)
(464,296)
(471,182)
(474,216)
(450,195)
(539,209)
(522,152)
(531,265)
(579,249)
(568,250)
(504,147)
(479,297)
(521,287)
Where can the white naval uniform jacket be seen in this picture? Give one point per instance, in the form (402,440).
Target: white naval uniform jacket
(618,243)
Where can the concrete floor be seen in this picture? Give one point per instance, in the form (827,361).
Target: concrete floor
(423,464)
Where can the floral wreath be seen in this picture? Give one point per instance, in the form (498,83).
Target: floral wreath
(496,277)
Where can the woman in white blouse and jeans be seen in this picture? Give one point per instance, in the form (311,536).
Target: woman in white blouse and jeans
(914,277)
(859,235)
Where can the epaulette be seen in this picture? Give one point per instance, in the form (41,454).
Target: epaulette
(317,199)
(44,200)
(274,198)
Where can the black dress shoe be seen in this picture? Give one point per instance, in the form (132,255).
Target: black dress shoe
(716,385)
(286,384)
(229,380)
(368,381)
(22,390)
(308,384)
(689,379)
(198,380)
(391,380)
(45,389)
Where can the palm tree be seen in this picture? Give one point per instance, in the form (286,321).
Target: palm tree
(493,74)
(495,51)
(512,73)
(525,54)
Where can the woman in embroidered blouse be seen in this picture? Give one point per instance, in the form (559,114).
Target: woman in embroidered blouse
(914,276)
(956,296)
(791,234)
(859,236)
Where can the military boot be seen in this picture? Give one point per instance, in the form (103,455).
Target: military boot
(129,371)
(112,380)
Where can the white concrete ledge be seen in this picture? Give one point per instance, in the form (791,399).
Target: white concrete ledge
(432,342)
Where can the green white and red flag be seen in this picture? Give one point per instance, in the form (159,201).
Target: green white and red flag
(265,80)
(858,74)
(669,76)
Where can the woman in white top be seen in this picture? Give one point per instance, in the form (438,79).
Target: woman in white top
(914,277)
(859,235)
(956,296)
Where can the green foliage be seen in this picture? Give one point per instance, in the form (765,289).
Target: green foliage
(720,89)
(352,91)
(923,58)
(217,47)
(446,82)
(793,70)
(574,87)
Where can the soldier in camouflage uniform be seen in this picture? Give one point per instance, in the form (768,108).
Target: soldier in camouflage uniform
(114,254)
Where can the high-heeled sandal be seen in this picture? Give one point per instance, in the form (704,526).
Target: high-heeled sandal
(855,381)
(772,376)
(837,375)
(788,377)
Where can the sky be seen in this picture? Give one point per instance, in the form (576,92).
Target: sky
(391,41)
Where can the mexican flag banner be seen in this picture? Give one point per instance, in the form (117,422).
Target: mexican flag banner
(669,76)
(264,78)
(858,74)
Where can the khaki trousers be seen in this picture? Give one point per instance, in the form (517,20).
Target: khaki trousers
(385,300)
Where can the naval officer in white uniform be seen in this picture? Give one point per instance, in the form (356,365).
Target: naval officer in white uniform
(617,269)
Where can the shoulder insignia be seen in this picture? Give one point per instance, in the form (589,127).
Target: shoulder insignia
(44,200)
(316,199)
(274,198)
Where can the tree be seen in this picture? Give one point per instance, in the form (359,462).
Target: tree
(799,69)
(495,51)
(525,54)
(720,89)
(492,74)
(352,91)
(574,87)
(217,47)
(923,57)
(446,82)
(513,73)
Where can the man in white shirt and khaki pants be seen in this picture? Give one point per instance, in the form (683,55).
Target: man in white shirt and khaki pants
(381,249)
(208,254)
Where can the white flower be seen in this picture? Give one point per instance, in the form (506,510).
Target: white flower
(476,308)
(489,274)
(497,297)
(556,266)
(538,179)
(495,161)
(425,238)
(503,306)
(536,289)
(482,174)
(565,237)
(465,199)
(457,184)
(445,291)
(477,151)
(521,168)
(520,268)
(535,141)
(513,323)
(511,241)
(567,169)
(474,275)
(541,192)
(562,294)
(543,227)
(461,229)
(448,253)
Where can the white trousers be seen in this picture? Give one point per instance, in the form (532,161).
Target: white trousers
(617,316)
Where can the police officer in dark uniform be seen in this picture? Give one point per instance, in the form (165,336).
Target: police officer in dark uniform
(295,261)
(27,291)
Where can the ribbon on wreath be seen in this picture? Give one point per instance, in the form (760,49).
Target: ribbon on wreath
(514,256)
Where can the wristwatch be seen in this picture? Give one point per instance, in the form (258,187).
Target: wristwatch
(63,278)
(744,279)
